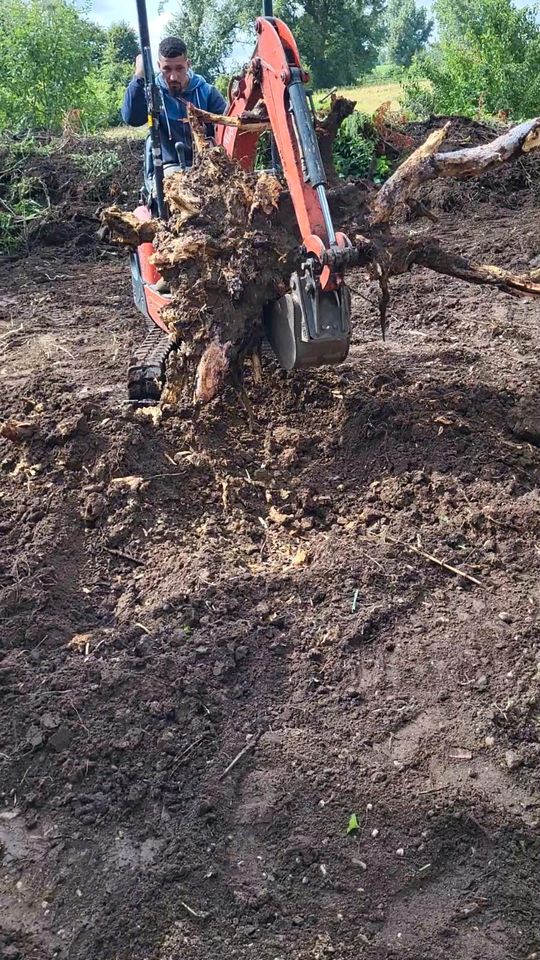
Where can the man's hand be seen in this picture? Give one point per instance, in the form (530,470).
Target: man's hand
(139,66)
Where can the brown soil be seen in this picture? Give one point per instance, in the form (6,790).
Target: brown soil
(251,592)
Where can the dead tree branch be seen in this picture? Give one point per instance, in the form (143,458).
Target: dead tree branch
(427,164)
(432,256)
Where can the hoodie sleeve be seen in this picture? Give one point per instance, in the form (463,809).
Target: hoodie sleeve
(134,109)
(216,102)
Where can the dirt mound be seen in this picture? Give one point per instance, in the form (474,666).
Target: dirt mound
(52,189)
(464,132)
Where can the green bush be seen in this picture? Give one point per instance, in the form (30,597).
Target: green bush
(354,147)
(47,51)
(487,60)
(103,94)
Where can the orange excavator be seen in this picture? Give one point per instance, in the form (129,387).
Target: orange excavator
(309,326)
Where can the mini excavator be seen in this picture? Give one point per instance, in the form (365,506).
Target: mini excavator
(309,326)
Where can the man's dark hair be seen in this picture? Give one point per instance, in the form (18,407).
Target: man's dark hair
(172,47)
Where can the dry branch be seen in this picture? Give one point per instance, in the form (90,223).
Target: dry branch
(245,123)
(426,164)
(432,256)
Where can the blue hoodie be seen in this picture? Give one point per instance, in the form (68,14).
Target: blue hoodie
(198,92)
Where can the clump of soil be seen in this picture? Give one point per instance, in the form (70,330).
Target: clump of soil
(67,181)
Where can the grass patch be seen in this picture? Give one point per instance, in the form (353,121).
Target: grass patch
(369,96)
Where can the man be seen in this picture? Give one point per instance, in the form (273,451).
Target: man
(178,84)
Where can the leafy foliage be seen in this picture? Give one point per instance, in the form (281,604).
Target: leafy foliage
(487,61)
(409,28)
(47,51)
(208,30)
(122,43)
(353,147)
(339,40)
(55,61)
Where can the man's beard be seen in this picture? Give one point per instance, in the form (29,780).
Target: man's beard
(175,87)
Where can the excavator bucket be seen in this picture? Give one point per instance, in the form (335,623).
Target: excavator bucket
(309,328)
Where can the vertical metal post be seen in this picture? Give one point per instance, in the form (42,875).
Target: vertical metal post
(154,107)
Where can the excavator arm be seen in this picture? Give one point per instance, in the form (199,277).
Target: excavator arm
(310,325)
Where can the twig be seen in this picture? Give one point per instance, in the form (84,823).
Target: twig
(124,556)
(194,913)
(429,556)
(239,756)
(187,751)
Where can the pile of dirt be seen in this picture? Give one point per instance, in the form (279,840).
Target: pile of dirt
(510,187)
(181,593)
(66,181)
(244,711)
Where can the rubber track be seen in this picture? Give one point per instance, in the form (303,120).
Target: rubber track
(146,373)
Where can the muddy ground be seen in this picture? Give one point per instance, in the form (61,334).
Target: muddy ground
(257,590)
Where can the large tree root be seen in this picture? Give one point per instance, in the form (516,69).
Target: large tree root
(231,244)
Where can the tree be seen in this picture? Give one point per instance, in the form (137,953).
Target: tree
(122,43)
(339,40)
(47,50)
(409,28)
(487,58)
(208,30)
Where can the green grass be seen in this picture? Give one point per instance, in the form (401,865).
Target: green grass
(369,96)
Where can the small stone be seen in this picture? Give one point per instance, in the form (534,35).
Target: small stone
(482,683)
(505,616)
(378,777)
(489,741)
(400,852)
(34,736)
(513,761)
(298,920)
(374,833)
(361,864)
(50,721)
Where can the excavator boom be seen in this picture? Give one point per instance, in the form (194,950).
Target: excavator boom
(309,326)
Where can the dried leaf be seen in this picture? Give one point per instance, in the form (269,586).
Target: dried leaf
(275,516)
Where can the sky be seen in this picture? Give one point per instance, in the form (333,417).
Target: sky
(111,11)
